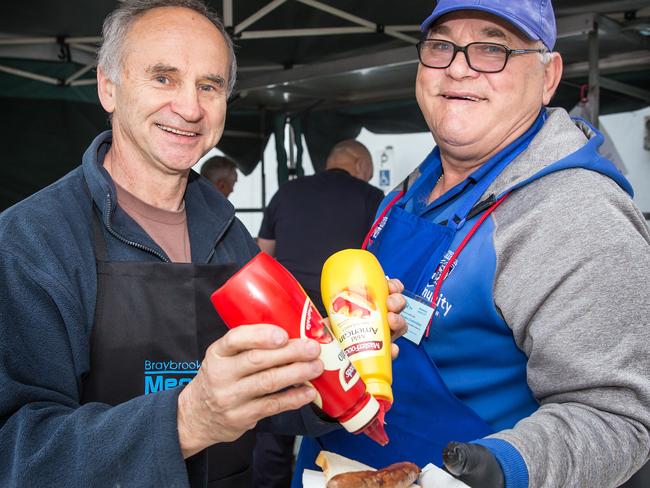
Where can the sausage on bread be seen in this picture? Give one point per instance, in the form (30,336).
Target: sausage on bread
(398,475)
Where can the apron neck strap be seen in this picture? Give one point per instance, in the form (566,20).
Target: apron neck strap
(98,235)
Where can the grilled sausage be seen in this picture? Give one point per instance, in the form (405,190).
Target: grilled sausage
(398,475)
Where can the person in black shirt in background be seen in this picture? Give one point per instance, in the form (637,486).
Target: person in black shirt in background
(311,218)
(308,220)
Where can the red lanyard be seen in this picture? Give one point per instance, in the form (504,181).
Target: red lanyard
(380,218)
(446,269)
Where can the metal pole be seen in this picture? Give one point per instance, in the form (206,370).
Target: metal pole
(227,13)
(292,156)
(262,128)
(84,40)
(27,74)
(357,20)
(322,31)
(92,81)
(258,15)
(79,74)
(625,89)
(27,40)
(594,76)
(84,48)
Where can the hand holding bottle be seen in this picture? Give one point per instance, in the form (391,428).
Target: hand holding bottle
(246,375)
(356,295)
(264,291)
(395,303)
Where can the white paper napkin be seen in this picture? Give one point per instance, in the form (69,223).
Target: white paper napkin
(434,477)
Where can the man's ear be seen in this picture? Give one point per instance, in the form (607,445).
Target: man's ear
(358,168)
(552,76)
(106,91)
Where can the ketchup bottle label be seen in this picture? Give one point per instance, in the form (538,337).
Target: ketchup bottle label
(359,324)
(312,326)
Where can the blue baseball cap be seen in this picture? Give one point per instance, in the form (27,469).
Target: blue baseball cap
(535,18)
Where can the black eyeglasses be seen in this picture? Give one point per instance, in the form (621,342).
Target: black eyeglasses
(485,57)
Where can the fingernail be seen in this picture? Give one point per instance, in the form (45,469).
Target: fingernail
(279,337)
(312,347)
(317,366)
(309,394)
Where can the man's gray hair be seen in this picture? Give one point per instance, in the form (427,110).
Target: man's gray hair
(546,56)
(119,21)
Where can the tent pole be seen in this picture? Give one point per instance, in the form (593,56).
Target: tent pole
(292,156)
(594,76)
(84,40)
(314,31)
(322,31)
(358,20)
(89,81)
(17,41)
(84,48)
(227,13)
(27,74)
(625,89)
(79,73)
(258,15)
(262,148)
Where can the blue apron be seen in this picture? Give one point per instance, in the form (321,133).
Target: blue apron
(426,415)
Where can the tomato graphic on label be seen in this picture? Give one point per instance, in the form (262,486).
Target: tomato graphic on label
(314,325)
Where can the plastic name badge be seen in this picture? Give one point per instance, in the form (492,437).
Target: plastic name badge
(417,314)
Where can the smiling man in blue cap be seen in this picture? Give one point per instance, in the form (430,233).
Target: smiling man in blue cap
(526,265)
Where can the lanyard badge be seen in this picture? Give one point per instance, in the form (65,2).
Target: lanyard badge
(417,314)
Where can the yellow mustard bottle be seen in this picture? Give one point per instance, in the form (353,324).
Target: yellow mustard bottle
(354,291)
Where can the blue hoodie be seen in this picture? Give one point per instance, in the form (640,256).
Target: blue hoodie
(542,326)
(521,328)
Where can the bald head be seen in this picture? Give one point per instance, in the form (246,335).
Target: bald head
(353,157)
(222,172)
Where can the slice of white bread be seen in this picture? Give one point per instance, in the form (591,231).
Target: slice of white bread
(333,464)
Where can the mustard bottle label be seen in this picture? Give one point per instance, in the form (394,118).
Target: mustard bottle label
(357,322)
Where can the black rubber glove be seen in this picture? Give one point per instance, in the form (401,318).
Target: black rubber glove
(474,465)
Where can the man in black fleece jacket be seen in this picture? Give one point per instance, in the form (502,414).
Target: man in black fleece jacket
(114,369)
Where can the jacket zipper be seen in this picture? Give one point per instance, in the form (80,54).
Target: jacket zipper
(225,228)
(125,240)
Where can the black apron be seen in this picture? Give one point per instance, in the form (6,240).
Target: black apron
(157,320)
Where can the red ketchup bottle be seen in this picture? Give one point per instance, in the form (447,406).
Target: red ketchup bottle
(264,292)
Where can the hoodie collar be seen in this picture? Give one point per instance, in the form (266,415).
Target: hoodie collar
(208,212)
(561,143)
